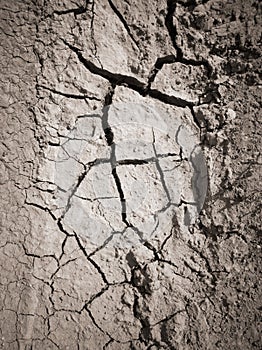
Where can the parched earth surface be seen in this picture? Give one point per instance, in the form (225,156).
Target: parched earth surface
(130,175)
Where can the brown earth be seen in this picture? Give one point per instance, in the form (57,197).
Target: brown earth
(101,244)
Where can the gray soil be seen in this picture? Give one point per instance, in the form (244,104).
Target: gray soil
(130,175)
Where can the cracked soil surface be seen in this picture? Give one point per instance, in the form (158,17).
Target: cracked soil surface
(130,175)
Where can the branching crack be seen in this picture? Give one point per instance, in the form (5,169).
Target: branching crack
(172,30)
(96,266)
(77,184)
(128,81)
(179,58)
(169,59)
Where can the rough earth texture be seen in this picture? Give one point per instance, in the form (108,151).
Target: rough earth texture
(130,175)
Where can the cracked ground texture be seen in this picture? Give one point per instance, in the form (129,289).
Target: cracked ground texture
(130,175)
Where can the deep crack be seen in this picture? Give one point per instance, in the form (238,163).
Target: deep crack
(129,81)
(172,30)
(110,141)
(170,59)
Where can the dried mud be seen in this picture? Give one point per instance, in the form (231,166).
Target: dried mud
(130,175)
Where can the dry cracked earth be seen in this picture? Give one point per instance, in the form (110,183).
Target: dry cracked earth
(130,175)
